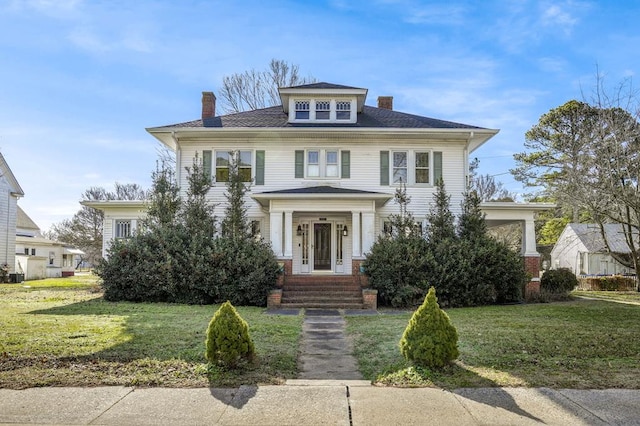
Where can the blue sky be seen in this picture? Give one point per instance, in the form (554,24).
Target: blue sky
(80,80)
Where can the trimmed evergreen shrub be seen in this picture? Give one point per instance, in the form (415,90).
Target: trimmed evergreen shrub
(430,340)
(396,268)
(228,342)
(558,281)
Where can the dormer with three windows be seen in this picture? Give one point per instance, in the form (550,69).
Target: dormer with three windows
(323,103)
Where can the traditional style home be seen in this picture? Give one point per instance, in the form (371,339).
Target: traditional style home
(10,192)
(324,168)
(581,248)
(38,257)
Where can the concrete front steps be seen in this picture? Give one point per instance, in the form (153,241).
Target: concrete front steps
(321,291)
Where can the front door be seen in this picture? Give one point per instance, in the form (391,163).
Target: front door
(322,246)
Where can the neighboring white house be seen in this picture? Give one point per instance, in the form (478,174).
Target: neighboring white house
(38,257)
(582,249)
(10,191)
(325,168)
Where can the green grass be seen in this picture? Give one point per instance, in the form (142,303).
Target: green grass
(577,344)
(620,296)
(60,332)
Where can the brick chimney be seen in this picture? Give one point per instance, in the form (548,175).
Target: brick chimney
(208,105)
(385,102)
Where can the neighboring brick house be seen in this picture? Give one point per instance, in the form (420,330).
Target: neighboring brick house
(325,168)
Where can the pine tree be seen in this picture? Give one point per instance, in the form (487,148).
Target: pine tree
(197,213)
(228,341)
(430,340)
(471,223)
(235,224)
(441,220)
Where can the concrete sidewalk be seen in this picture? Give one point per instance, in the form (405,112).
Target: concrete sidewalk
(317,402)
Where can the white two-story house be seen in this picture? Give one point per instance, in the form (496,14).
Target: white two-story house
(324,168)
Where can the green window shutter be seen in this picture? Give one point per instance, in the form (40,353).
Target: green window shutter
(206,163)
(384,167)
(299,164)
(346,164)
(259,167)
(437,166)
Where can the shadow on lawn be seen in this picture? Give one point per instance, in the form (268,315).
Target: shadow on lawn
(157,338)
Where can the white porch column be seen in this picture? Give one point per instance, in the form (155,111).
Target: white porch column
(368,231)
(276,232)
(529,238)
(355,234)
(288,234)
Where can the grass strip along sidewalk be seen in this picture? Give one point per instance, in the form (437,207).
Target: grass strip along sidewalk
(59,332)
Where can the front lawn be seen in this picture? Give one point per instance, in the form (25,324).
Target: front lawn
(60,332)
(577,344)
(620,296)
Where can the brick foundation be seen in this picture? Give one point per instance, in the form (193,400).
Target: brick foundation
(532,267)
(274,299)
(68,273)
(370,299)
(358,275)
(286,267)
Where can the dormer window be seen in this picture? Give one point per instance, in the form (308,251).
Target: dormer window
(343,110)
(302,110)
(323,110)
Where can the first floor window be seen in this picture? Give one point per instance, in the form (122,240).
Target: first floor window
(123,228)
(26,251)
(33,252)
(52,256)
(255,229)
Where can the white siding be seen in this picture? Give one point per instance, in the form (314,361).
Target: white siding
(365,170)
(8,217)
(111,215)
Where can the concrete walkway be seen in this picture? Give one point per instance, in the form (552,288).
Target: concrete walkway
(325,352)
(318,403)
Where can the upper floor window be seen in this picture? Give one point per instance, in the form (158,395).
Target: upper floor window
(411,167)
(302,110)
(400,167)
(322,163)
(123,229)
(323,110)
(241,159)
(422,167)
(343,110)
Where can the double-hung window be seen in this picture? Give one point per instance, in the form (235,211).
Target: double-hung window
(411,167)
(323,163)
(123,229)
(343,110)
(422,167)
(400,167)
(323,110)
(302,110)
(240,159)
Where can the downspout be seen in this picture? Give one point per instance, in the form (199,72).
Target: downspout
(6,243)
(465,160)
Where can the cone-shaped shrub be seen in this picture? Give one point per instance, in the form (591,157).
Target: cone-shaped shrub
(228,341)
(430,340)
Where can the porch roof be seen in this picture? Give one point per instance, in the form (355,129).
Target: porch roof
(324,192)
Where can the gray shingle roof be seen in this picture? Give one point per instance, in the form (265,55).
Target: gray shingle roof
(322,85)
(371,117)
(591,237)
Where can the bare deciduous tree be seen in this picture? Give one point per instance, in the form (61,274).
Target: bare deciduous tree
(255,89)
